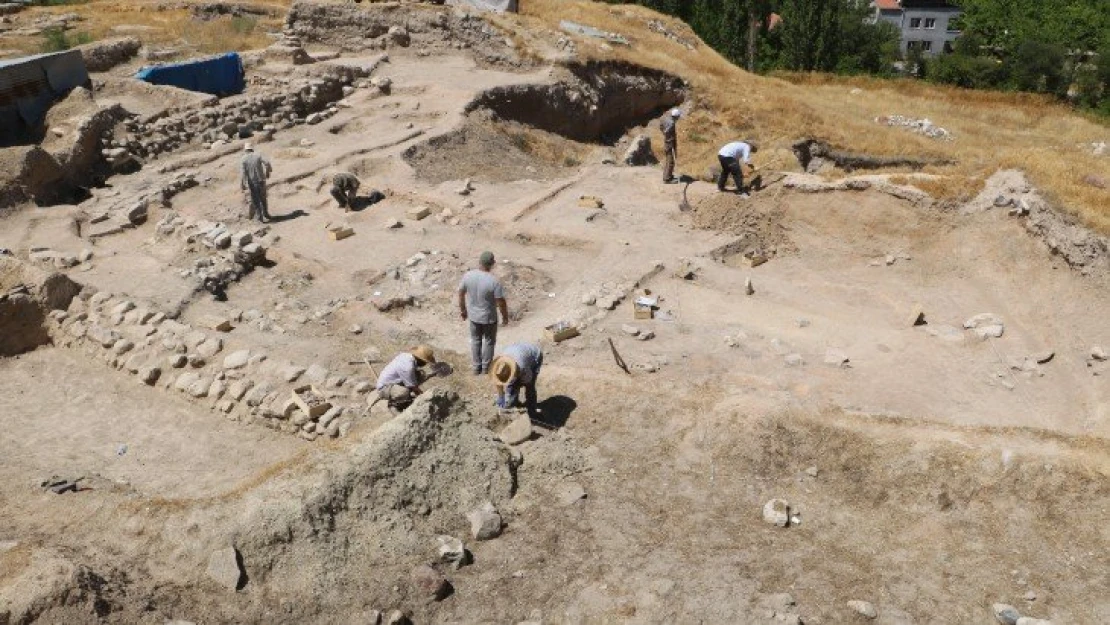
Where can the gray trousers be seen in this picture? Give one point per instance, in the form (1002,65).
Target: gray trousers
(258,204)
(483,338)
(669,151)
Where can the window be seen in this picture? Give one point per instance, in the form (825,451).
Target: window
(930,22)
(947,47)
(915,22)
(926,45)
(911,45)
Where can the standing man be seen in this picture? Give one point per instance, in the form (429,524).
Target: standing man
(730,157)
(481,297)
(399,383)
(518,366)
(669,126)
(255,170)
(344,188)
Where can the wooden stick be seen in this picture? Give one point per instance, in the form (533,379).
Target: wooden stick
(617,357)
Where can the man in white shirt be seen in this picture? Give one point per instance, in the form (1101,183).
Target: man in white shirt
(399,383)
(730,157)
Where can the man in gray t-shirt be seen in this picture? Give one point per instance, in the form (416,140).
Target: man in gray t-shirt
(481,297)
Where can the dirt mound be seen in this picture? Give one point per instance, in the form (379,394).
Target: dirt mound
(758,221)
(26,296)
(598,101)
(488,152)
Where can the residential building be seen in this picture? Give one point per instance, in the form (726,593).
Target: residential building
(927,26)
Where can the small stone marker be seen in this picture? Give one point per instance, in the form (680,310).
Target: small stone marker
(418,212)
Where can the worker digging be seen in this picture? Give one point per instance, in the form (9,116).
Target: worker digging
(344,188)
(730,157)
(400,380)
(518,367)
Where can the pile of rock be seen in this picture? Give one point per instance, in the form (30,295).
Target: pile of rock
(244,385)
(297,101)
(289,48)
(101,56)
(919,126)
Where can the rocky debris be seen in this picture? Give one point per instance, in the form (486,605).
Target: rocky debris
(1028,620)
(396,617)
(103,55)
(777,512)
(225,567)
(863,608)
(639,152)
(1079,246)
(1097,354)
(452,551)
(778,608)
(518,431)
(237,359)
(290,49)
(430,583)
(813,154)
(485,522)
(918,126)
(985,325)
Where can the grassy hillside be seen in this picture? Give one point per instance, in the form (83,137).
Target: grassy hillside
(992,130)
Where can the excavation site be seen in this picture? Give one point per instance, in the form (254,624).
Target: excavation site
(856,393)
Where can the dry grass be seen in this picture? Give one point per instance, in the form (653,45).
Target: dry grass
(993,130)
(158,27)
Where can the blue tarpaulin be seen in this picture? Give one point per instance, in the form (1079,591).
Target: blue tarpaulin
(220,75)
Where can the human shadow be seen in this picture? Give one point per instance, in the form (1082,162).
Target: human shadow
(362,203)
(287,216)
(555,411)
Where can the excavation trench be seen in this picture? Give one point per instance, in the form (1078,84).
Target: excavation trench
(537,130)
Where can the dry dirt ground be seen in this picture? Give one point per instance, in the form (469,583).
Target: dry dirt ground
(933,475)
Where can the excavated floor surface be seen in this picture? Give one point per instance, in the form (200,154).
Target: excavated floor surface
(945,480)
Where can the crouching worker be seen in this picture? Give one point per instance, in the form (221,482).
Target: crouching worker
(399,383)
(518,366)
(344,188)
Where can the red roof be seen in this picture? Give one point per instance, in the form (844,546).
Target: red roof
(888,5)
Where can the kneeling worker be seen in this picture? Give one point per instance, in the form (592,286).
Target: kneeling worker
(519,365)
(344,188)
(399,383)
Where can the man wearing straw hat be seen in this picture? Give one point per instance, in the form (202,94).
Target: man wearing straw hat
(518,366)
(399,383)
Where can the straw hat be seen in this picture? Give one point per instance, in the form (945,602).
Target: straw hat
(248,147)
(424,353)
(503,370)
(676,113)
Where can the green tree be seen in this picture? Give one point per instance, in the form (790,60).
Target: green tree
(1038,67)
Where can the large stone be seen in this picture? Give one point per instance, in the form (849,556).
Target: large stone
(452,551)
(1005,614)
(1029,620)
(237,360)
(639,152)
(225,567)
(485,522)
(210,347)
(430,583)
(396,617)
(518,431)
(863,608)
(150,375)
(186,380)
(777,512)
